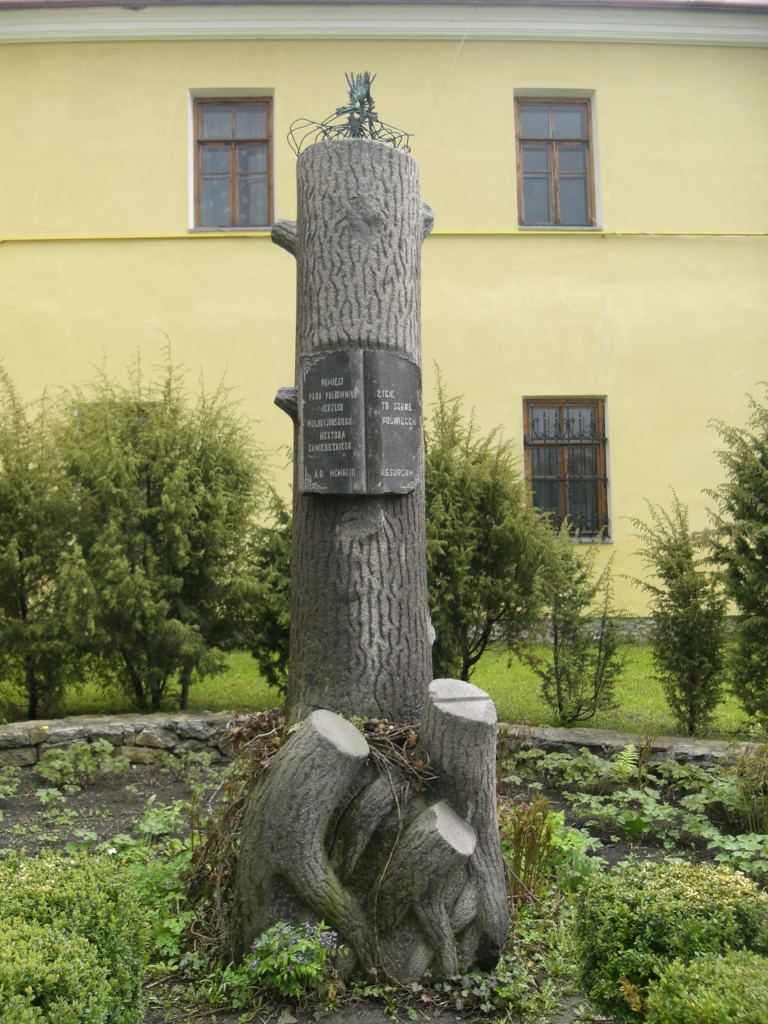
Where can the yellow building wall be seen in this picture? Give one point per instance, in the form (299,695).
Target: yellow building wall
(663,312)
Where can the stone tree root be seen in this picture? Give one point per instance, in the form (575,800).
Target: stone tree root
(412,881)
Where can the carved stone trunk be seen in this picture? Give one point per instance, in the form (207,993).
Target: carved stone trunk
(411,877)
(412,881)
(360,627)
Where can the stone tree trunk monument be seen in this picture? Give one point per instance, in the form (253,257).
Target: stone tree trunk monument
(412,880)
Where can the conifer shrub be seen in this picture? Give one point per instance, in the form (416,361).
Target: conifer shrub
(579,679)
(46,611)
(48,975)
(91,899)
(739,539)
(488,551)
(633,921)
(687,610)
(168,486)
(267,631)
(711,989)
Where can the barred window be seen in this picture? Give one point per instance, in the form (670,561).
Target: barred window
(565,462)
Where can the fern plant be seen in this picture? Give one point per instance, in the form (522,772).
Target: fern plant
(626,764)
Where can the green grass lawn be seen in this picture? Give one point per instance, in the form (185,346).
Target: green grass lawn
(641,705)
(239,687)
(513,685)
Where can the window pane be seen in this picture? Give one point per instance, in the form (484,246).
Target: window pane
(534,122)
(215,203)
(580,421)
(573,201)
(251,121)
(570,122)
(546,496)
(536,201)
(545,422)
(215,121)
(252,201)
(582,505)
(251,159)
(582,462)
(572,159)
(214,159)
(535,158)
(545,461)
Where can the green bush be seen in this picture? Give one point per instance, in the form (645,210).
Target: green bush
(711,989)
(633,921)
(45,598)
(89,897)
(739,539)
(267,631)
(579,680)
(487,549)
(167,490)
(687,609)
(50,976)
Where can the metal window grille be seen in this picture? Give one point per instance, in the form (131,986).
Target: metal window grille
(565,449)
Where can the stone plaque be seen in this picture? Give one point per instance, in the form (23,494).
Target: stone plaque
(359,423)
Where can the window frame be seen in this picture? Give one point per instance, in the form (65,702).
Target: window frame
(549,101)
(600,443)
(198,102)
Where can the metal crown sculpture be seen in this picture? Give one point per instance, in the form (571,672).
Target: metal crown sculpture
(356,120)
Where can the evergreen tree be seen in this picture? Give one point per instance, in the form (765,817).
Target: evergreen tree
(269,610)
(168,490)
(46,609)
(688,614)
(487,549)
(739,539)
(579,680)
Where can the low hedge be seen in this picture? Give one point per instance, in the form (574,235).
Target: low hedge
(84,897)
(50,976)
(711,989)
(633,921)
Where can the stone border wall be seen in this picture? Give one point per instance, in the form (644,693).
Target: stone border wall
(607,743)
(145,739)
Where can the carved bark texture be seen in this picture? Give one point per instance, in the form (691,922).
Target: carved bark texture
(411,881)
(459,733)
(283,864)
(360,625)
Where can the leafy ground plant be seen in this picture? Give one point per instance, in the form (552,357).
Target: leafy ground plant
(79,763)
(680,807)
(536,968)
(751,779)
(296,961)
(9,780)
(541,852)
